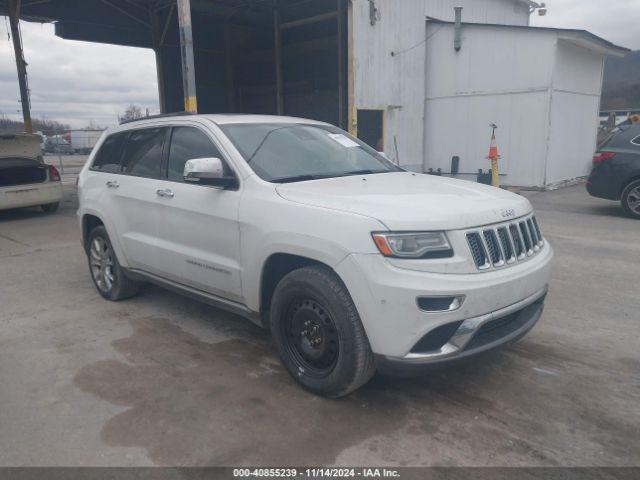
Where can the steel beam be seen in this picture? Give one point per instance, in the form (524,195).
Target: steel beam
(278,59)
(186,50)
(156,39)
(341,64)
(21,65)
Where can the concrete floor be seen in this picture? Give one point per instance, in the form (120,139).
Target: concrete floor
(162,380)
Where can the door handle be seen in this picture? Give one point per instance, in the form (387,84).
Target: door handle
(165,193)
(112,184)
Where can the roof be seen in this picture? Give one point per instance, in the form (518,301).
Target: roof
(219,119)
(578,37)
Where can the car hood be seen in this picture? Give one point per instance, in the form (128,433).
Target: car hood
(407,201)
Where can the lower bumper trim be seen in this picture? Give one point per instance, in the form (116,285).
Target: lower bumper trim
(475,336)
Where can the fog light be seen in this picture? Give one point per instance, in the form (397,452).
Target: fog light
(440,304)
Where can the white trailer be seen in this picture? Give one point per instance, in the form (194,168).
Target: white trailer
(83,141)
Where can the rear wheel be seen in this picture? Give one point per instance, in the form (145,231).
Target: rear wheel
(318,332)
(50,207)
(631,199)
(107,274)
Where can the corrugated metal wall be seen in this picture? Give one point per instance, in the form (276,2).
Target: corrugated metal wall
(542,92)
(390,61)
(575,105)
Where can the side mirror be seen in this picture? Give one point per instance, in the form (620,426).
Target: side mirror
(208,171)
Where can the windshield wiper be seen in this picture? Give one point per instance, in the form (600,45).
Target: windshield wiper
(299,178)
(365,172)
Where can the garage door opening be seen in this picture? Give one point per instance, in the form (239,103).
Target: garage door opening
(287,57)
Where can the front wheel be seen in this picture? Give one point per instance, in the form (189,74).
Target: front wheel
(107,274)
(631,199)
(318,332)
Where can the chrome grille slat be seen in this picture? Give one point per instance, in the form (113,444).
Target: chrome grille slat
(493,248)
(517,241)
(538,232)
(534,235)
(528,245)
(478,250)
(505,244)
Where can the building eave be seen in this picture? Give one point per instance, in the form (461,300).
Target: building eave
(582,38)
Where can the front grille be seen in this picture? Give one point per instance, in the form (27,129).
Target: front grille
(478,251)
(495,253)
(508,243)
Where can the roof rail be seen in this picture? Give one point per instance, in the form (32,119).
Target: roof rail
(162,115)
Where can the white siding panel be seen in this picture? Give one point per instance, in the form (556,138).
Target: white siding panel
(504,12)
(577,70)
(460,127)
(574,121)
(396,83)
(492,60)
(575,105)
(501,76)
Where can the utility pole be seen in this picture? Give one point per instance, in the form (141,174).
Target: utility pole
(186,50)
(14,19)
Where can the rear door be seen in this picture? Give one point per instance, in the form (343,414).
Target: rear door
(134,199)
(199,235)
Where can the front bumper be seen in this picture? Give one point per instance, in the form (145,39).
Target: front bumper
(386,299)
(473,337)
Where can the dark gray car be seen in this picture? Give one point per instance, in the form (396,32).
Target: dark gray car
(616,170)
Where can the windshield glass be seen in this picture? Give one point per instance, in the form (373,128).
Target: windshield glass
(296,152)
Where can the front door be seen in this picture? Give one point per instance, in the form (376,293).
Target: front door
(199,235)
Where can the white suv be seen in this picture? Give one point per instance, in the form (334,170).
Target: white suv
(353,263)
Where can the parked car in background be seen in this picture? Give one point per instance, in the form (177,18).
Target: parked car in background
(25,180)
(353,263)
(83,141)
(57,146)
(616,170)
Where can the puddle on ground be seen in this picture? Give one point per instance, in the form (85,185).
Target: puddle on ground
(189,402)
(193,402)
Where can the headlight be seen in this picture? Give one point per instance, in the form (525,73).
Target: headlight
(413,245)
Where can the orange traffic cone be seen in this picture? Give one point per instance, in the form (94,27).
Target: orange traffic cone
(494,156)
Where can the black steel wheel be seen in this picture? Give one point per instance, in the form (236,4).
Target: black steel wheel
(311,336)
(318,332)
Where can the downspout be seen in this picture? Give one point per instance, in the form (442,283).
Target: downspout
(457,40)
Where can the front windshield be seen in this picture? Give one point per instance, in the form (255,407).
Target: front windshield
(284,153)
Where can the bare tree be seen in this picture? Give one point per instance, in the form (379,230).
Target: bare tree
(133,112)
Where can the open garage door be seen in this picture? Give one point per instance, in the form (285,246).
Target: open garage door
(286,57)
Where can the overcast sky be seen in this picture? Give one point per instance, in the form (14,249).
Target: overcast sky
(79,83)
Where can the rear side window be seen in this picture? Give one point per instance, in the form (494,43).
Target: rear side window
(143,152)
(624,137)
(108,157)
(188,143)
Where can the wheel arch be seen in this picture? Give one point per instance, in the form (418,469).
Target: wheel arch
(91,219)
(635,176)
(89,222)
(274,269)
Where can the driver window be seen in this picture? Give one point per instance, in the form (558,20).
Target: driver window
(188,143)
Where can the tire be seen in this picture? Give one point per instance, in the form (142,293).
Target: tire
(318,333)
(107,274)
(50,207)
(631,199)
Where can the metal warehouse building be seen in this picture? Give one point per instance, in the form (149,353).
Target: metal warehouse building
(399,73)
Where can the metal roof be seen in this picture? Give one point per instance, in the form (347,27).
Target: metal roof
(579,37)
